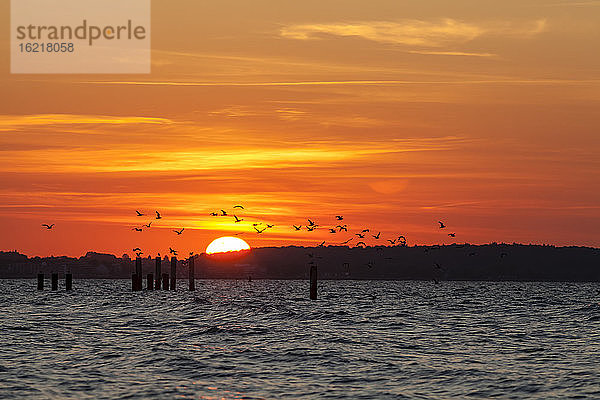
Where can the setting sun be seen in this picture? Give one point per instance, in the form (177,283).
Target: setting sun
(226,244)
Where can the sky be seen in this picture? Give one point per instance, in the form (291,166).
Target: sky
(394,114)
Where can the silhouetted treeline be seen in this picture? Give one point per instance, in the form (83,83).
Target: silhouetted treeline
(494,262)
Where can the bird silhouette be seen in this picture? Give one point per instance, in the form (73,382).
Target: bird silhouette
(148,224)
(442,226)
(223,213)
(139,254)
(214,214)
(139,214)
(376,236)
(238,206)
(174,252)
(331,230)
(270,226)
(360,235)
(137,249)
(257,224)
(361,243)
(311,223)
(157,215)
(311,228)
(322,244)
(401,238)
(342,228)
(137,229)
(452,234)
(179,232)
(347,241)
(392,241)
(365,230)
(237,219)
(48,226)
(339,217)
(297,227)
(259,230)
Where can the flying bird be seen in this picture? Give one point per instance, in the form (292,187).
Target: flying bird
(179,232)
(322,244)
(139,214)
(48,226)
(365,230)
(311,228)
(311,223)
(331,230)
(137,229)
(157,215)
(148,224)
(339,217)
(361,243)
(452,234)
(214,214)
(360,235)
(376,236)
(174,252)
(442,226)
(137,249)
(237,219)
(342,228)
(138,254)
(259,230)
(392,241)
(223,213)
(238,206)
(270,226)
(297,227)
(257,224)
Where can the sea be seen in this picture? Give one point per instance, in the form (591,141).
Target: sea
(267,340)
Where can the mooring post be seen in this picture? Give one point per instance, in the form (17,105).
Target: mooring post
(138,273)
(157,273)
(313,282)
(173,273)
(40,282)
(69,281)
(191,275)
(134,282)
(149,282)
(54,281)
(165,281)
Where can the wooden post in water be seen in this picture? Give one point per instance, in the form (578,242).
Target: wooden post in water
(191,275)
(149,282)
(54,281)
(157,273)
(313,282)
(134,282)
(165,281)
(137,285)
(40,279)
(69,281)
(173,273)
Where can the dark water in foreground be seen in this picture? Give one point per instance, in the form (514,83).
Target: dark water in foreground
(264,339)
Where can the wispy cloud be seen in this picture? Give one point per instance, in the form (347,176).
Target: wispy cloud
(414,32)
(13,121)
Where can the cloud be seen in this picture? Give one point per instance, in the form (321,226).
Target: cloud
(413,32)
(15,121)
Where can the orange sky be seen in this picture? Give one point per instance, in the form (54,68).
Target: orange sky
(393,114)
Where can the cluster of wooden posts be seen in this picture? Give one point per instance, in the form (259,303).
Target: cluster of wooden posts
(54,281)
(162,279)
(159,279)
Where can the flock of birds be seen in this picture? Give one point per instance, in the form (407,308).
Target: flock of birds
(311,226)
